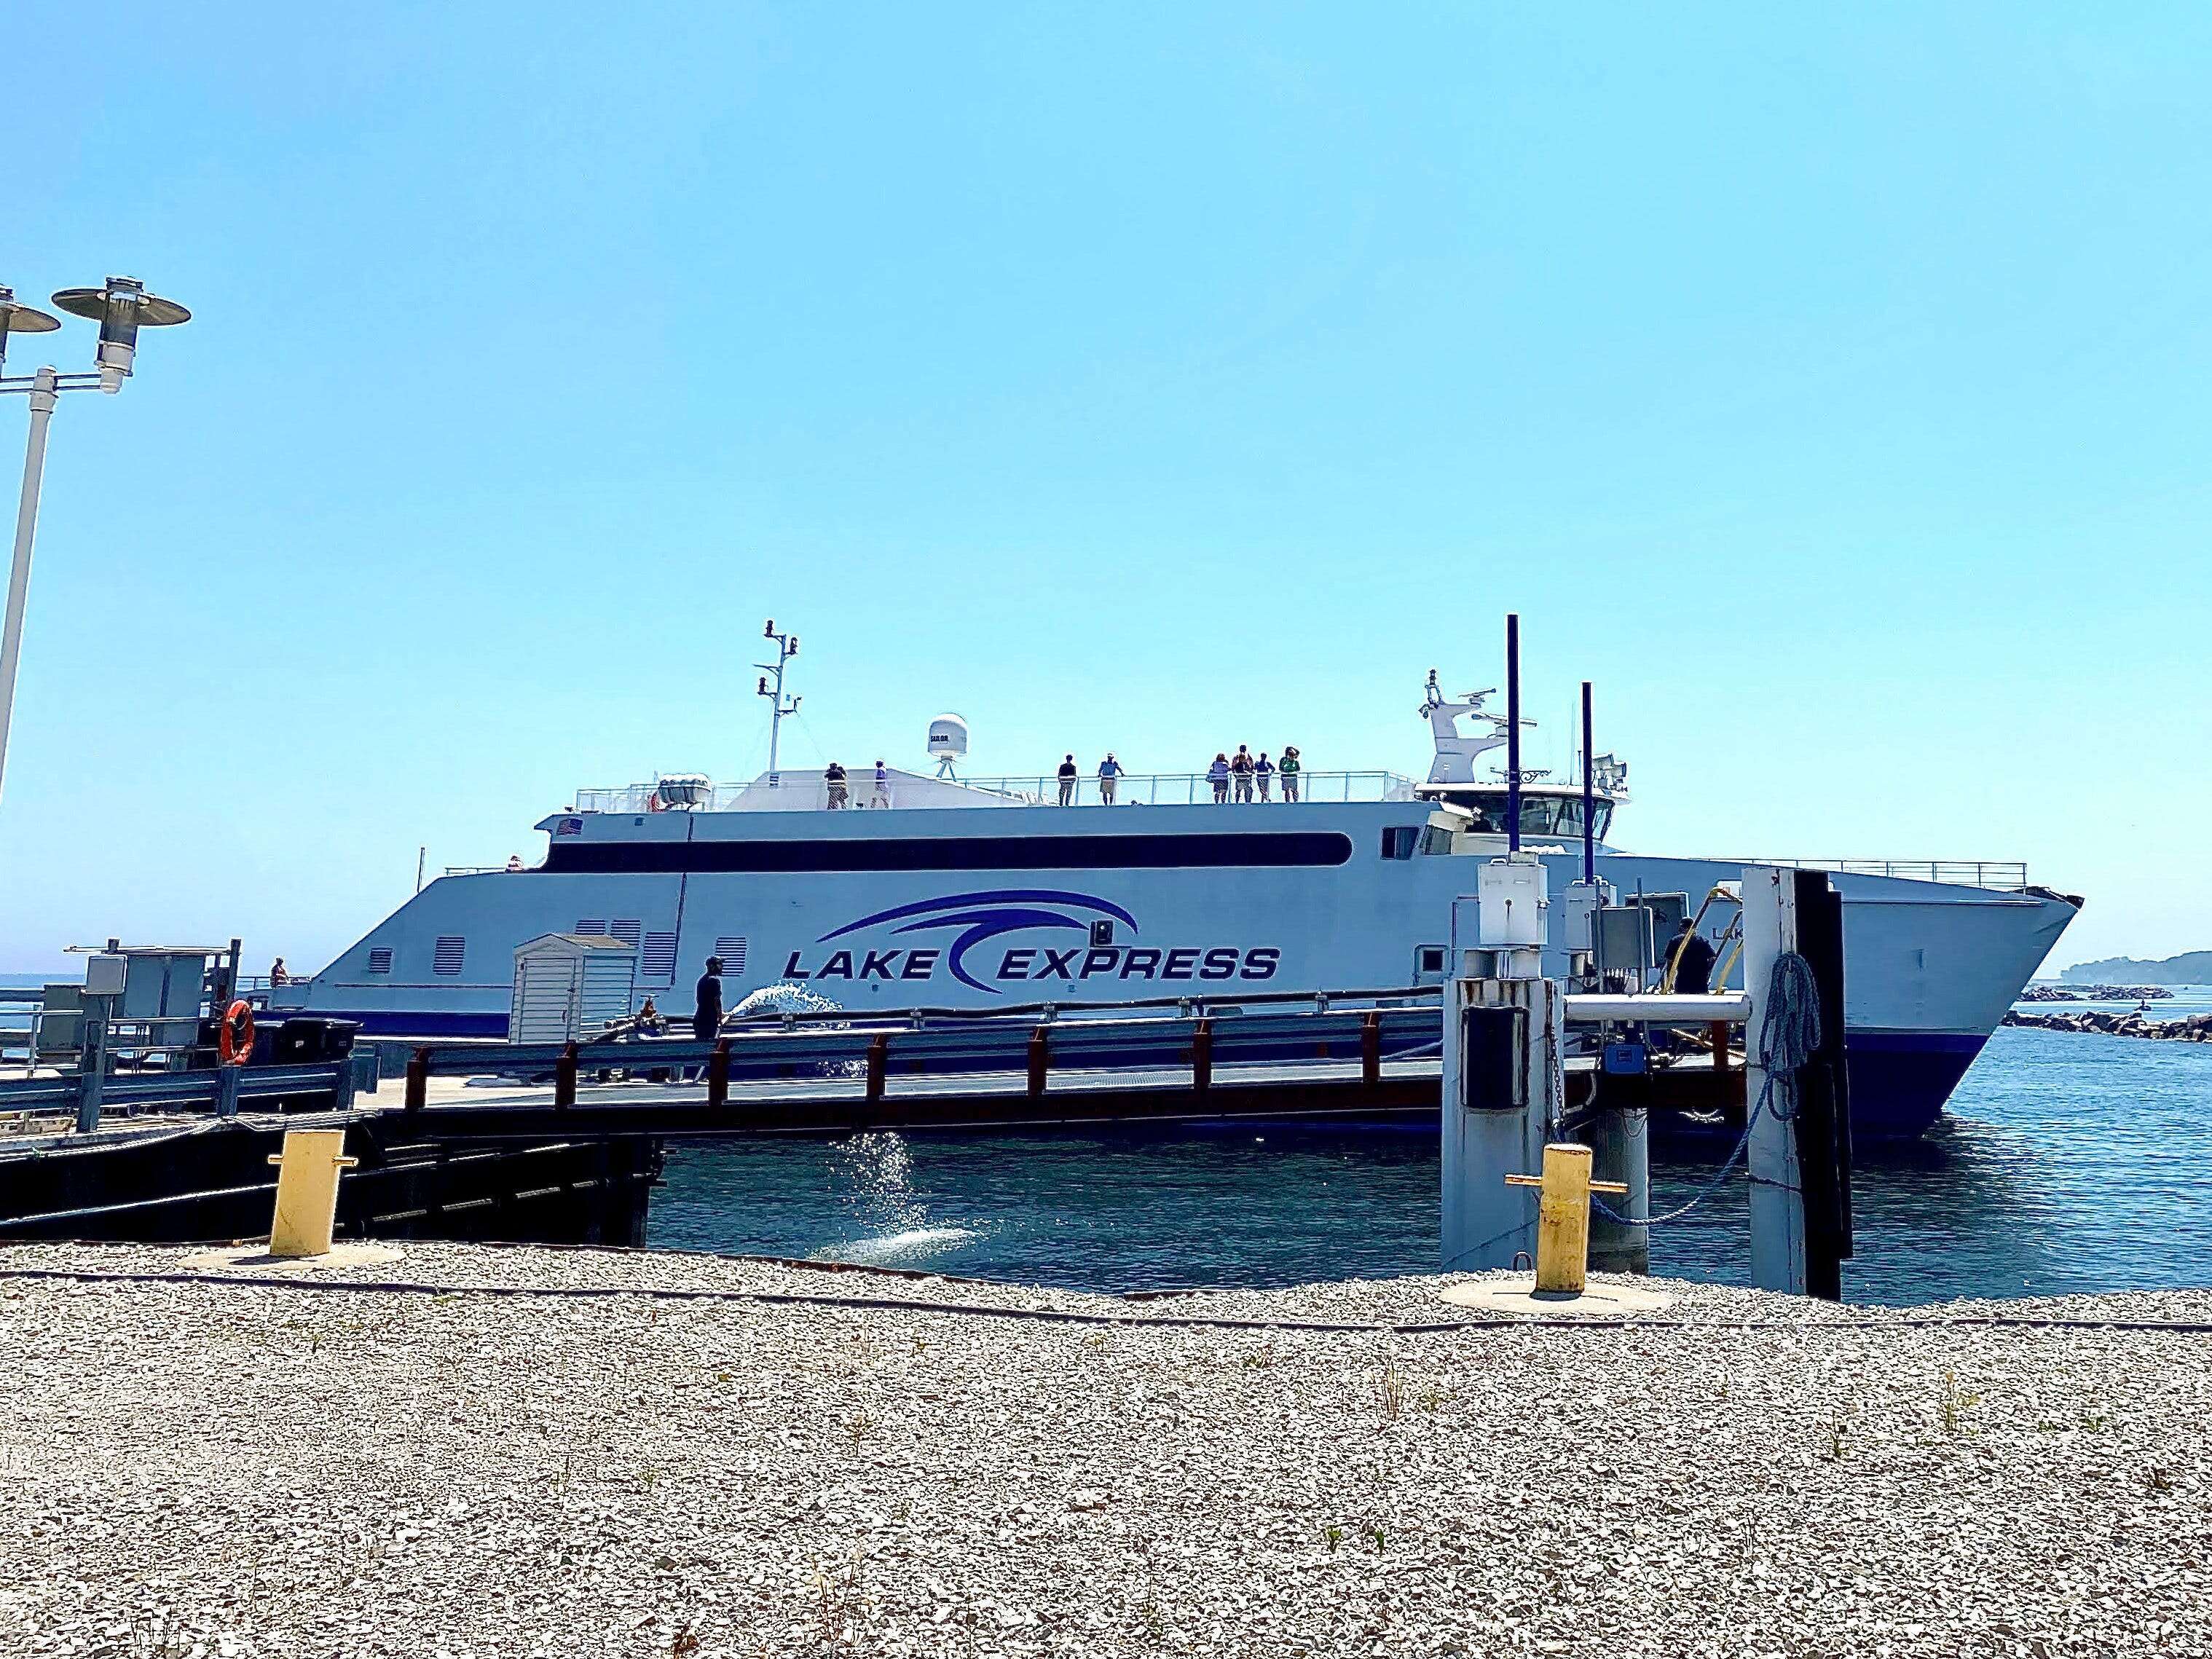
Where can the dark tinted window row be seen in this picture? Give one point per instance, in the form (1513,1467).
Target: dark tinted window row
(963,852)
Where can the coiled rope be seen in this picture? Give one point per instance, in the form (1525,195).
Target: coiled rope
(1788,1038)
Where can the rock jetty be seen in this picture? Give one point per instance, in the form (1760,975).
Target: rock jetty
(510,1452)
(2096,993)
(2127,1022)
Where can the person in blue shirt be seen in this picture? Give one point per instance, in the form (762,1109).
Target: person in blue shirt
(1263,773)
(1109,770)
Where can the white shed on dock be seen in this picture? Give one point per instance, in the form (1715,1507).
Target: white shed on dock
(570,986)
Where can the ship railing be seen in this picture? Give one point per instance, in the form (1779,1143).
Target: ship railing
(1999,875)
(1129,789)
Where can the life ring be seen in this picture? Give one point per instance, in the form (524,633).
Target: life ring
(233,1038)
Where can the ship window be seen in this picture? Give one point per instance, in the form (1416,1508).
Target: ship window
(731,947)
(1540,815)
(379,959)
(1429,961)
(1400,839)
(447,957)
(658,959)
(1261,850)
(628,932)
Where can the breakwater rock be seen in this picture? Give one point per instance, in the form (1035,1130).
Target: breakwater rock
(2195,1028)
(2096,993)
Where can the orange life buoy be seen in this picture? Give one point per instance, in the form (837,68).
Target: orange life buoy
(234,1039)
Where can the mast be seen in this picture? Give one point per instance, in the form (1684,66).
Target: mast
(1589,794)
(1512,731)
(786,648)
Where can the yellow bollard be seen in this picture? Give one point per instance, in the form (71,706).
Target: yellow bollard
(1563,1215)
(307,1191)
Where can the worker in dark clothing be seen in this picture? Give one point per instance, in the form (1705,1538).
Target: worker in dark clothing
(1694,961)
(706,1020)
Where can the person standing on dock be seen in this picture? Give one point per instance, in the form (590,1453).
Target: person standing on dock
(1109,772)
(1694,961)
(1289,770)
(707,1017)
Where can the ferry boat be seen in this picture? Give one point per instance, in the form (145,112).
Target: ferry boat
(947,892)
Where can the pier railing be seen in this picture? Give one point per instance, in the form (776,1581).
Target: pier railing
(39,1104)
(1368,1026)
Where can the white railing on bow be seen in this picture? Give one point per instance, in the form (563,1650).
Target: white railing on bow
(1999,875)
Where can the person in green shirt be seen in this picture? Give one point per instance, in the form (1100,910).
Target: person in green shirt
(1288,769)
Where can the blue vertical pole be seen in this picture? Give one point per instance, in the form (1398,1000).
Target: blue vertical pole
(1590,796)
(1512,732)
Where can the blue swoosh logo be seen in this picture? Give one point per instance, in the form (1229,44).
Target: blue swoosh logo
(985,916)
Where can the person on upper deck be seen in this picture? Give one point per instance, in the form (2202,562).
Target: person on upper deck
(1067,777)
(882,795)
(834,776)
(1694,961)
(277,974)
(1218,776)
(1263,773)
(1240,774)
(1290,770)
(1110,773)
(706,1016)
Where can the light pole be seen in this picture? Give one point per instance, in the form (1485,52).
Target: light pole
(121,309)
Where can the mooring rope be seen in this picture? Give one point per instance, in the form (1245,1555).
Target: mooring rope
(1788,1038)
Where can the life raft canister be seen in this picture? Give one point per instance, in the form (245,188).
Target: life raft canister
(233,1038)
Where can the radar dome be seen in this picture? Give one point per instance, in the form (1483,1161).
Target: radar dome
(948,737)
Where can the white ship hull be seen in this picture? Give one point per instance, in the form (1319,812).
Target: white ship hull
(976,907)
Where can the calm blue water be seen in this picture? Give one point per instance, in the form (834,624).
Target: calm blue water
(2067,1163)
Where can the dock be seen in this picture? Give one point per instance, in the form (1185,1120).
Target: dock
(486,1451)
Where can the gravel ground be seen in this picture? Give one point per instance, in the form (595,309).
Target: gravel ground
(223,1467)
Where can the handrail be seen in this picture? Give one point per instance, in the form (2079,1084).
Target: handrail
(1004,1045)
(807,792)
(1999,875)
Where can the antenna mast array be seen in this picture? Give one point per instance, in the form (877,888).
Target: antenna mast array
(786,648)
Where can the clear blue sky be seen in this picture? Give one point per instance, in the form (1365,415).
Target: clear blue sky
(1827,383)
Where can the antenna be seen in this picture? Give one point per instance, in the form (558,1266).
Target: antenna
(786,648)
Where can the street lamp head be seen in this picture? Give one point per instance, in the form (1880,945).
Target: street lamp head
(18,319)
(121,309)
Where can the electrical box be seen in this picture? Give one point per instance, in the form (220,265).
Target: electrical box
(1668,910)
(1626,1059)
(1584,900)
(163,984)
(1514,907)
(1624,938)
(103,975)
(1491,1036)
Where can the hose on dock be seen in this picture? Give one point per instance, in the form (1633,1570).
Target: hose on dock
(1074,1317)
